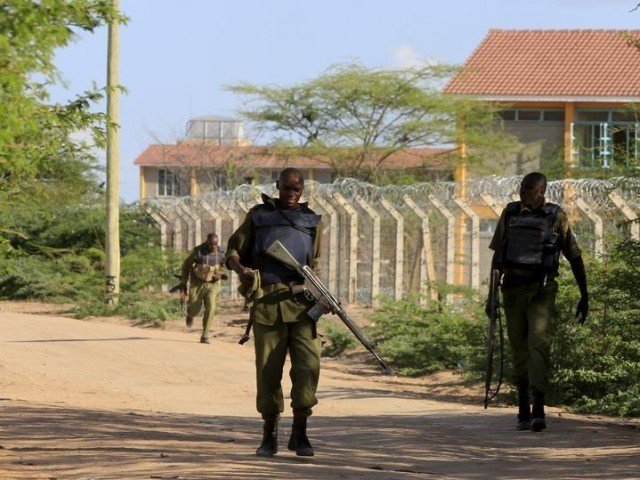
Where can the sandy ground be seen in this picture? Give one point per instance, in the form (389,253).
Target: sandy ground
(98,399)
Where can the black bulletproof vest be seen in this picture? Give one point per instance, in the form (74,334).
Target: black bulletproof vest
(295,230)
(209,258)
(529,242)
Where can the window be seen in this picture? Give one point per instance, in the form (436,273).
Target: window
(605,138)
(532,115)
(529,115)
(592,115)
(509,115)
(553,116)
(168,184)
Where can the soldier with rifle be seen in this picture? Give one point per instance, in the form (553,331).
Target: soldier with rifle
(279,314)
(203,271)
(527,243)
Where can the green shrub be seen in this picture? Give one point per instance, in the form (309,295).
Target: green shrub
(338,340)
(420,339)
(596,366)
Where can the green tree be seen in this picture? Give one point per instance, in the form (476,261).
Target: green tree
(40,162)
(37,150)
(355,118)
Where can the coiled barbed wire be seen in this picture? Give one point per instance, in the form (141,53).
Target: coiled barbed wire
(595,192)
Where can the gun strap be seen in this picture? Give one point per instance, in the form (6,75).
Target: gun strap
(247,330)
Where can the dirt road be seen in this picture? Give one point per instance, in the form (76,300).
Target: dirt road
(95,399)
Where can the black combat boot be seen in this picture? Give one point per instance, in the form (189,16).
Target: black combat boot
(524,408)
(538,423)
(189,321)
(298,441)
(269,445)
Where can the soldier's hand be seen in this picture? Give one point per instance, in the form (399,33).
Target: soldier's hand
(246,276)
(487,309)
(582,310)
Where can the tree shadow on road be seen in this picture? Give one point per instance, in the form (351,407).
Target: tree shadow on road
(40,441)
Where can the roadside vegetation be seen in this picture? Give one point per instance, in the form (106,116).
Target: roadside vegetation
(595,366)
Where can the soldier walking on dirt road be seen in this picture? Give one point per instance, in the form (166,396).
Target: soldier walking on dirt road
(279,314)
(527,243)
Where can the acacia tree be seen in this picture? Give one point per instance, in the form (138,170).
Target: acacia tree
(355,118)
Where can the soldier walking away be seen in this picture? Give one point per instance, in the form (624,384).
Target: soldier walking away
(279,315)
(527,243)
(203,269)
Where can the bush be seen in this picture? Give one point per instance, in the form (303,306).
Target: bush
(596,366)
(58,256)
(339,339)
(439,335)
(42,278)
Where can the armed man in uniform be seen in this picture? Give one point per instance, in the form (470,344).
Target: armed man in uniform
(279,315)
(527,243)
(203,269)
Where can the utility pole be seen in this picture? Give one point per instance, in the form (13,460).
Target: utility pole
(112,268)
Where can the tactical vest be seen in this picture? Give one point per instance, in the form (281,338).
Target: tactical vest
(205,257)
(296,231)
(529,242)
(207,263)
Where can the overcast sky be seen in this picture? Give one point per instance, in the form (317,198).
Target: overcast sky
(176,56)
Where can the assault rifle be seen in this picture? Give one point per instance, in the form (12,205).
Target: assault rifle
(495,322)
(325,301)
(182,288)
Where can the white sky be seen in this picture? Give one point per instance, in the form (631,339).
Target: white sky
(177,55)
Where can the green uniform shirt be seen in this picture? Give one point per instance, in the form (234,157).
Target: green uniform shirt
(561,227)
(277,301)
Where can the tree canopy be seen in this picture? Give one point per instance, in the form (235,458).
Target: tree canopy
(41,163)
(37,150)
(354,118)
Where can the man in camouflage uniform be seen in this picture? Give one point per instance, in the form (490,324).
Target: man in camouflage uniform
(527,243)
(203,270)
(279,316)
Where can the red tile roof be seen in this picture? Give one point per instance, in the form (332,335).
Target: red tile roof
(205,155)
(547,63)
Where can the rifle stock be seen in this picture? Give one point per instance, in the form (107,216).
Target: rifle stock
(326,301)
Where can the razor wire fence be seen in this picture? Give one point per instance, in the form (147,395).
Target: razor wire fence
(393,240)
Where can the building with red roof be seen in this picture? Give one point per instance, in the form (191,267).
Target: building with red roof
(568,93)
(214,150)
